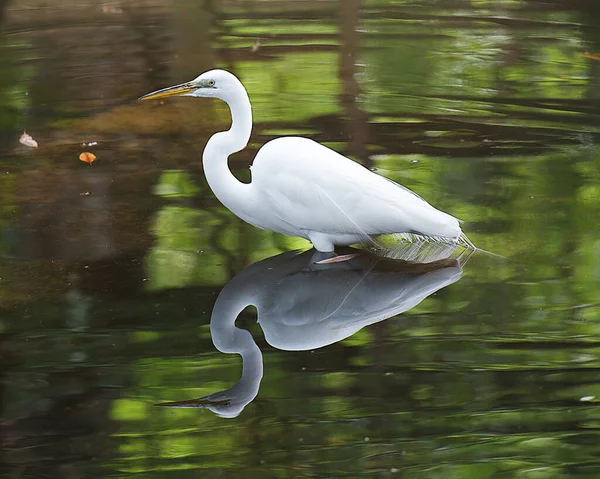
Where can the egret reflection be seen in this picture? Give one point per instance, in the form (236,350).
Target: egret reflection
(303,306)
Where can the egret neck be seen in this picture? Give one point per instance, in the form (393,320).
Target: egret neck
(234,194)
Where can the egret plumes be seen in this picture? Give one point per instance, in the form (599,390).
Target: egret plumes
(302,188)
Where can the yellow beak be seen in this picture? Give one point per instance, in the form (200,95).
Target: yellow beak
(176,90)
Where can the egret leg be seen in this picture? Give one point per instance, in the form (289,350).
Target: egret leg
(321,241)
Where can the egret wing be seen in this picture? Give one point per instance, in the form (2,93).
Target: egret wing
(310,187)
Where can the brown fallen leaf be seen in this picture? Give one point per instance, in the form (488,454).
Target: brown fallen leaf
(87,157)
(338,259)
(593,56)
(112,10)
(27,140)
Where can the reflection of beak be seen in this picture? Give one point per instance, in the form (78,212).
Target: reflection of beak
(176,90)
(197,403)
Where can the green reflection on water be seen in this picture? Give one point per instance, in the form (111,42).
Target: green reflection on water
(487,110)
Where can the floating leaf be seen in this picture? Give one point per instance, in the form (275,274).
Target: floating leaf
(87,157)
(338,259)
(27,140)
(593,56)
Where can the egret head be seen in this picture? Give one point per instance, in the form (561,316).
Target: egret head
(211,84)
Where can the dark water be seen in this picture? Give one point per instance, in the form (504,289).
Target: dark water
(109,273)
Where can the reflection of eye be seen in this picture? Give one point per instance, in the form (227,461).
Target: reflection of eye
(211,83)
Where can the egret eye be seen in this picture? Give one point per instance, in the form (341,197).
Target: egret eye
(211,83)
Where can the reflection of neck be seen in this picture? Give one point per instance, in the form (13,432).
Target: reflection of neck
(229,339)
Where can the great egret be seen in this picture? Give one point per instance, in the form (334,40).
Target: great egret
(302,188)
(300,309)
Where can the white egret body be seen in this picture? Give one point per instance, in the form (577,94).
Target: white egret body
(302,188)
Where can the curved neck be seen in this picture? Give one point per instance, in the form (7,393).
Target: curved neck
(227,338)
(234,194)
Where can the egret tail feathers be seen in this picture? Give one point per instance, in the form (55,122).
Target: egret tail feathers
(425,248)
(419,249)
(464,240)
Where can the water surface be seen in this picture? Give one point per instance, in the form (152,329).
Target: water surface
(110,273)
